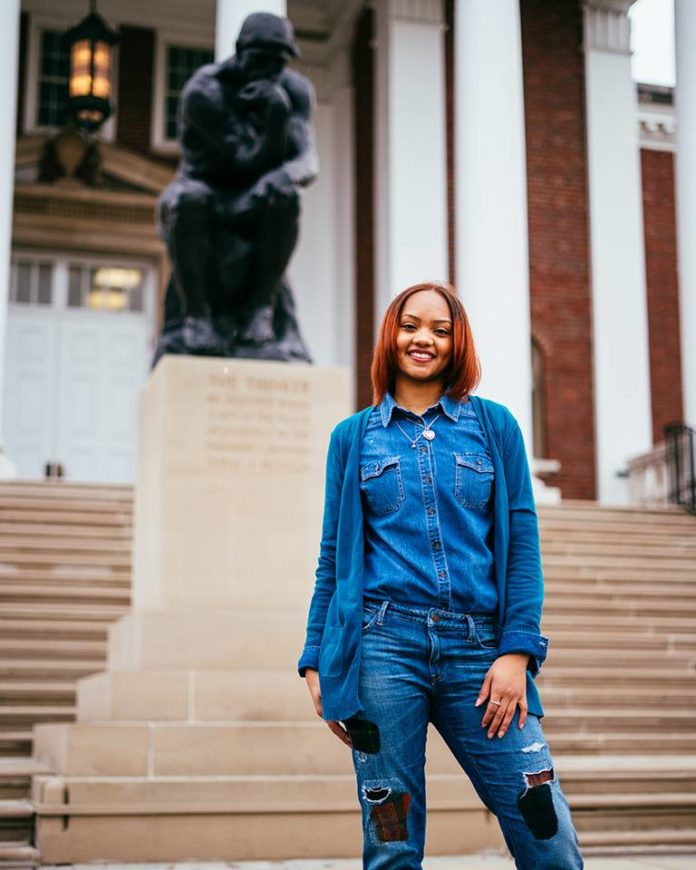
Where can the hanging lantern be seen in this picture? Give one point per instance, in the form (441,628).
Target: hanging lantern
(91,44)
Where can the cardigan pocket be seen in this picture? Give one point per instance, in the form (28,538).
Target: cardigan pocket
(331,652)
(382,485)
(473,479)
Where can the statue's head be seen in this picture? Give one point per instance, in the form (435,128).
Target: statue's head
(264,44)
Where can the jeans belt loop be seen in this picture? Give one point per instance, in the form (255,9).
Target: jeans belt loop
(471,626)
(382,611)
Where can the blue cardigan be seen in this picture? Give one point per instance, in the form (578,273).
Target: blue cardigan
(334,622)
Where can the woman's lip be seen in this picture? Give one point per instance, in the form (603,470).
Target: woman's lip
(423,354)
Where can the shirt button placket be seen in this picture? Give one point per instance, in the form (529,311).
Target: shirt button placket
(433,526)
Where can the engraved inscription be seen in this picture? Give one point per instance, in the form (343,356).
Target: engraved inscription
(257,423)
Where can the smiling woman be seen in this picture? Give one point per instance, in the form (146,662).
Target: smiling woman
(437,620)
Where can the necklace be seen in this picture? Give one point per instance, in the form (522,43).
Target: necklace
(427,432)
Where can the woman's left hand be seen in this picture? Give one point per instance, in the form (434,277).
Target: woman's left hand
(506,682)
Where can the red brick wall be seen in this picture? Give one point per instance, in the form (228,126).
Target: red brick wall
(135,87)
(553,67)
(363,79)
(662,287)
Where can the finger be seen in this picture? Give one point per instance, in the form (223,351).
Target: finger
(491,709)
(340,732)
(485,689)
(498,718)
(507,718)
(523,713)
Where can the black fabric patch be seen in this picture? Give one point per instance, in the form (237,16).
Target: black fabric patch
(364,734)
(390,818)
(538,811)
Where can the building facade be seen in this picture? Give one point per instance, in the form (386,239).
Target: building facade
(504,147)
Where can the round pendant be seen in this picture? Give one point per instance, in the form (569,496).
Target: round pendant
(429,434)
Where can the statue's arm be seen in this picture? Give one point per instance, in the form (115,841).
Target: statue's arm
(303,167)
(201,113)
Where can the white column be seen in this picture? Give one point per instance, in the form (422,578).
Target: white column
(623,425)
(411,207)
(9,42)
(229,17)
(685,23)
(491,196)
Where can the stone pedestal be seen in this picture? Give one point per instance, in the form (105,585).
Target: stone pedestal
(200,741)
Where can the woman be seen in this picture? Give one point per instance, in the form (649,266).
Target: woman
(428,594)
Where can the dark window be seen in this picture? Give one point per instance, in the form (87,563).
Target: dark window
(52,83)
(181,63)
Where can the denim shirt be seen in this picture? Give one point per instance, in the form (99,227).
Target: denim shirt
(428,508)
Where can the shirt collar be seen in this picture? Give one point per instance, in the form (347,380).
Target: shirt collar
(450,407)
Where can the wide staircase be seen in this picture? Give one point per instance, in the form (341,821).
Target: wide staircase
(65,561)
(619,689)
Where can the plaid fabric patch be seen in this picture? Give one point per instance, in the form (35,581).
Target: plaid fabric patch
(389,818)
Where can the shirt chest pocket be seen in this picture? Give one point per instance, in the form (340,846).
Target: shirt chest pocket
(382,486)
(473,479)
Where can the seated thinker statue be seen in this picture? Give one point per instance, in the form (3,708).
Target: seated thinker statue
(230,218)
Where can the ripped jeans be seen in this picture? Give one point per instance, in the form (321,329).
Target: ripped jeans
(420,666)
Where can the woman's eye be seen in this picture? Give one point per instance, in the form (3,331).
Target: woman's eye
(408,326)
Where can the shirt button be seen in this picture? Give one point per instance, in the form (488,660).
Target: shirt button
(435,617)
(428,479)
(443,573)
(431,512)
(424,449)
(436,545)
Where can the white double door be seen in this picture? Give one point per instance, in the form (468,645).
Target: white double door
(73,376)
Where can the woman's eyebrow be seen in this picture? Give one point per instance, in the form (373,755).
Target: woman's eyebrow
(415,317)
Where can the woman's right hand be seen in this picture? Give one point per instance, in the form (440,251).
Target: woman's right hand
(312,678)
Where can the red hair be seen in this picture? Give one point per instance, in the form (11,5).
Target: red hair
(464,371)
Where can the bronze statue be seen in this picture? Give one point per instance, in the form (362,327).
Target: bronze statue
(230,218)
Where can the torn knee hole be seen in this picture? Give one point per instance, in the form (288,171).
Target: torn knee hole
(376,795)
(538,778)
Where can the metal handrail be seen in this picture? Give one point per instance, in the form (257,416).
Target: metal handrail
(680,456)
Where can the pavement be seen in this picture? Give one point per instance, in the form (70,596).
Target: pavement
(487,861)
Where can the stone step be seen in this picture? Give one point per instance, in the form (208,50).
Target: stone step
(683,565)
(101,613)
(561,588)
(26,767)
(15,556)
(63,592)
(679,549)
(630,623)
(38,648)
(63,669)
(16,714)
(38,691)
(18,854)
(64,547)
(18,809)
(609,720)
(596,531)
(676,696)
(71,515)
(61,628)
(47,531)
(567,637)
(587,604)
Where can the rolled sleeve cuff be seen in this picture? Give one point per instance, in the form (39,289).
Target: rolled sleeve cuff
(534,644)
(308,659)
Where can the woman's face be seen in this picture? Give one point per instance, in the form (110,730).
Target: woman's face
(424,337)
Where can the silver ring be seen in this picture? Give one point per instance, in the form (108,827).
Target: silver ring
(497,703)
